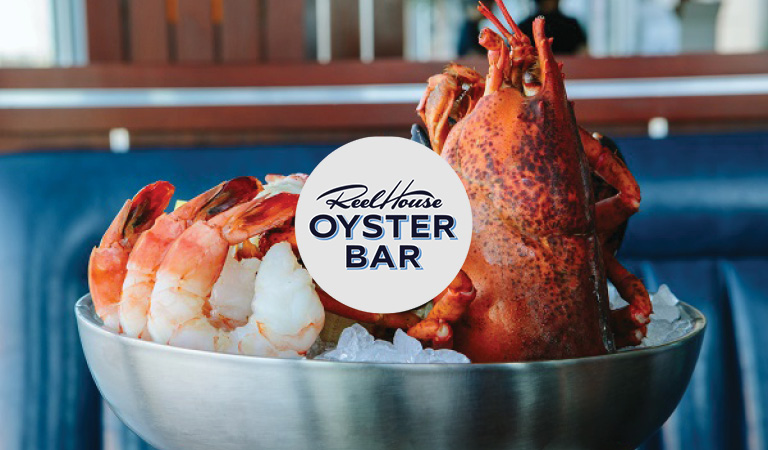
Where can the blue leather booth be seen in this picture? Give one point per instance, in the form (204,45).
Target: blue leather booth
(702,230)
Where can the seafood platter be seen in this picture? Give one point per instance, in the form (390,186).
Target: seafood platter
(203,329)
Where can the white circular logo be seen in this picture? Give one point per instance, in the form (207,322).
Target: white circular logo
(383,224)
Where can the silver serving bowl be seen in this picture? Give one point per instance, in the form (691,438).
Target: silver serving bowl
(185,399)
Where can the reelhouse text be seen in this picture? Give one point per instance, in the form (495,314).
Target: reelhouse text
(392,222)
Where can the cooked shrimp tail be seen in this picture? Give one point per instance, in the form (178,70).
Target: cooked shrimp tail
(223,197)
(257,216)
(138,214)
(107,264)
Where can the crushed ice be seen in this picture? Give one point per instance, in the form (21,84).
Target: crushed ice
(356,344)
(668,323)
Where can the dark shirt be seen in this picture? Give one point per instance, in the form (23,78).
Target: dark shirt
(569,37)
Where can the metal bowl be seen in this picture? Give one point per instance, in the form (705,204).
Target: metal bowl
(176,398)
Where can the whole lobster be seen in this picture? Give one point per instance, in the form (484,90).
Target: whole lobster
(542,248)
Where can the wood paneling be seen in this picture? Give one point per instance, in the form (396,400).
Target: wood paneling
(194,32)
(354,72)
(75,127)
(284,30)
(148,31)
(241,31)
(212,118)
(576,67)
(345,29)
(105,30)
(285,74)
(388,28)
(675,109)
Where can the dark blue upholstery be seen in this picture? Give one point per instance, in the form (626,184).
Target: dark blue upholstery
(701,231)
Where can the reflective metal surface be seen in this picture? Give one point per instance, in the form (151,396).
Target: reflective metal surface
(185,399)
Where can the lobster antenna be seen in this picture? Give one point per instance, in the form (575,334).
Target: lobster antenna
(508,18)
(489,15)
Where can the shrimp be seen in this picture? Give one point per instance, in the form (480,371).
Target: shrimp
(107,264)
(286,315)
(231,297)
(232,293)
(152,246)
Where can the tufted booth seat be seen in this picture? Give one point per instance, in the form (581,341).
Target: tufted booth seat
(702,230)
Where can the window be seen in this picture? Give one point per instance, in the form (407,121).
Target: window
(42,33)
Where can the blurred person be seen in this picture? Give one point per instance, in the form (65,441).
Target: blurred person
(570,38)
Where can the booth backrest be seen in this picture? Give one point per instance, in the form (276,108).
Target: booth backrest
(701,231)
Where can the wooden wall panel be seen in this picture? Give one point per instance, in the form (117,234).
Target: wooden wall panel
(345,29)
(194,32)
(290,118)
(241,31)
(354,72)
(284,30)
(148,31)
(71,128)
(388,28)
(120,75)
(105,30)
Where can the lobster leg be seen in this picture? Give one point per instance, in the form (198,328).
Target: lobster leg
(435,108)
(448,97)
(630,322)
(498,60)
(448,307)
(396,320)
(613,211)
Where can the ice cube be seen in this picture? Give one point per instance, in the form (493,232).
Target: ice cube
(659,332)
(354,339)
(662,331)
(683,327)
(443,356)
(356,344)
(667,323)
(614,299)
(406,344)
(665,305)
